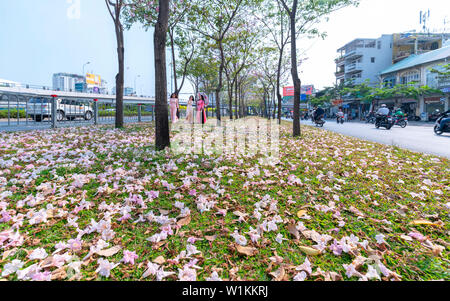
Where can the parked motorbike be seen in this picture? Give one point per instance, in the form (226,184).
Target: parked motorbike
(401,121)
(437,126)
(385,122)
(434,116)
(414,118)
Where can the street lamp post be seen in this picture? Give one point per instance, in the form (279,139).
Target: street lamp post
(135,90)
(85,66)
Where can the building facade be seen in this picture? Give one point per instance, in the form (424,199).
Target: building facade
(416,70)
(66,81)
(363,59)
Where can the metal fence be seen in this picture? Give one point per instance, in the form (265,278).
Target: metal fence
(23,112)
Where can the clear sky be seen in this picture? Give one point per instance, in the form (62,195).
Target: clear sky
(370,19)
(39,38)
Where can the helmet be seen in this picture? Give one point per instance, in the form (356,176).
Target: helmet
(383,106)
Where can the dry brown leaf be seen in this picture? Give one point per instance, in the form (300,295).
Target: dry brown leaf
(425,222)
(249,251)
(159,260)
(293,230)
(211,238)
(59,274)
(301,213)
(279,274)
(8,253)
(110,252)
(406,237)
(184,221)
(158,245)
(309,251)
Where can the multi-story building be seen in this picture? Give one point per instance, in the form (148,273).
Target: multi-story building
(363,59)
(66,81)
(417,70)
(406,44)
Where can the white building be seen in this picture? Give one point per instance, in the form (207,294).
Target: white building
(66,82)
(363,59)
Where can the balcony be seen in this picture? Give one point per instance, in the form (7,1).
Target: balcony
(339,74)
(354,54)
(353,68)
(339,60)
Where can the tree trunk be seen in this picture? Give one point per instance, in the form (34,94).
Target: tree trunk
(238,108)
(278,83)
(294,71)
(230,99)
(120,75)
(219,86)
(174,67)
(162,114)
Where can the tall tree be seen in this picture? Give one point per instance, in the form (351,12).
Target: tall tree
(162,114)
(146,12)
(115,10)
(303,16)
(276,22)
(213,19)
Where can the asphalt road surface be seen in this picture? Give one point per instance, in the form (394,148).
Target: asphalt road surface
(417,137)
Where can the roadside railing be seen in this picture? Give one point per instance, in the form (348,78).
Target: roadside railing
(22,112)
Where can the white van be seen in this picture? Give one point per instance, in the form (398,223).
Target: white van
(39,108)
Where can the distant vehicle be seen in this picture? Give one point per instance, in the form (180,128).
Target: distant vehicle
(39,108)
(434,116)
(384,121)
(446,128)
(401,121)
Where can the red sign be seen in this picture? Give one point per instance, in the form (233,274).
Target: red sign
(306,90)
(288,91)
(337,102)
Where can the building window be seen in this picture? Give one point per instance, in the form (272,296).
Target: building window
(379,44)
(412,76)
(372,60)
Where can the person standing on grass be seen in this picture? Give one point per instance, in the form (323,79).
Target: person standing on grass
(174,105)
(190,110)
(201,113)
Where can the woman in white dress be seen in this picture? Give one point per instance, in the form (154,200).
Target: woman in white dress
(190,110)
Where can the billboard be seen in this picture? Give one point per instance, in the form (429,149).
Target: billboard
(93,80)
(306,90)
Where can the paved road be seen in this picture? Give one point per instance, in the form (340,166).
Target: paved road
(419,138)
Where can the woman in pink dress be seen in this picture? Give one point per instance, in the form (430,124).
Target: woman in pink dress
(201,113)
(174,105)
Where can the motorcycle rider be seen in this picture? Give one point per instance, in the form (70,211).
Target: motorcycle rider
(445,120)
(340,115)
(399,113)
(318,113)
(382,112)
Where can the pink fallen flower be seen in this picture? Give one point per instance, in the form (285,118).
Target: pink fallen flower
(129,257)
(75,244)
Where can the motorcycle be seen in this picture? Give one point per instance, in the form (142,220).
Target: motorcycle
(384,121)
(370,118)
(401,121)
(414,118)
(319,122)
(437,126)
(340,119)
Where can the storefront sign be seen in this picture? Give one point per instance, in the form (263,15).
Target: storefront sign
(432,99)
(337,102)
